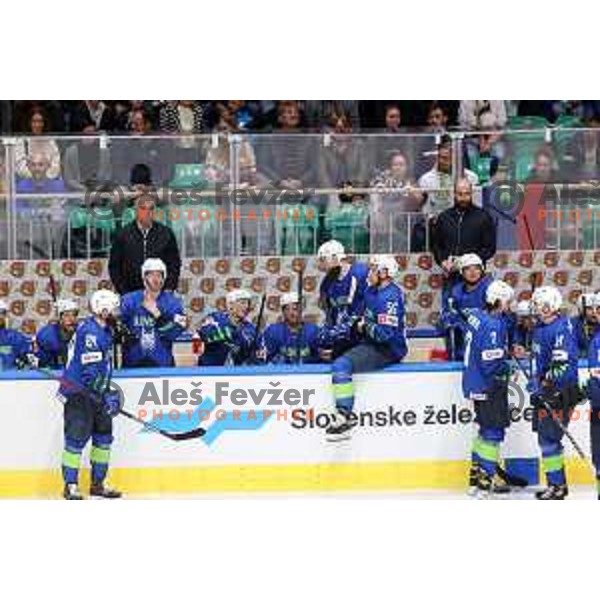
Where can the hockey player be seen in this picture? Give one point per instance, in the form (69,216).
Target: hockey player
(464,296)
(280,343)
(584,323)
(520,336)
(383,342)
(89,402)
(341,297)
(15,347)
(593,389)
(52,340)
(153,319)
(229,338)
(553,385)
(485,382)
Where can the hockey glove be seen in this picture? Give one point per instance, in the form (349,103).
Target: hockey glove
(111,402)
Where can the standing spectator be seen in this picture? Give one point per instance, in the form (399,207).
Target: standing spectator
(482,114)
(45,147)
(182,117)
(87,163)
(96,112)
(463,229)
(438,182)
(142,239)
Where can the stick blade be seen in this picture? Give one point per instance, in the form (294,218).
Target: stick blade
(186,435)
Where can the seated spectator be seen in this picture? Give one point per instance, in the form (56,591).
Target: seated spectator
(393,212)
(482,156)
(45,147)
(96,112)
(581,159)
(320,113)
(348,222)
(38,180)
(481,114)
(181,117)
(438,182)
(437,118)
(128,110)
(391,140)
(425,151)
(237,115)
(87,163)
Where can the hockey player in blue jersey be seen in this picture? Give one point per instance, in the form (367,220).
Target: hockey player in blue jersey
(520,336)
(152,318)
(52,340)
(15,347)
(485,382)
(228,337)
(90,404)
(290,341)
(553,385)
(584,323)
(464,296)
(341,297)
(593,389)
(383,342)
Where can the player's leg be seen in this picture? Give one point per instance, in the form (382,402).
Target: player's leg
(78,422)
(595,437)
(102,439)
(361,358)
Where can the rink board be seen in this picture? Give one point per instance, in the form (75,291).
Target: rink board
(265,432)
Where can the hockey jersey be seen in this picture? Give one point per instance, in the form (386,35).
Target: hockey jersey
(384,318)
(594,367)
(226,343)
(13,345)
(89,361)
(486,351)
(280,344)
(555,353)
(149,341)
(464,300)
(52,344)
(581,330)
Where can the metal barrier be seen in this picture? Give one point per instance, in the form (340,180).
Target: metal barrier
(281,194)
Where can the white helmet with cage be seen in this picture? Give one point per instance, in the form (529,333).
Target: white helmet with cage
(289,298)
(331,251)
(470,260)
(237,295)
(546,300)
(154,264)
(104,303)
(384,262)
(499,291)
(66,305)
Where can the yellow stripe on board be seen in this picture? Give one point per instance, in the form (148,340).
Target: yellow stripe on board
(331,477)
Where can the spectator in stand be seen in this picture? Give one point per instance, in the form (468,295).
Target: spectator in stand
(426,146)
(27,147)
(393,212)
(142,239)
(182,117)
(97,112)
(87,162)
(390,140)
(438,182)
(482,156)
(437,118)
(238,115)
(320,114)
(482,114)
(38,181)
(581,159)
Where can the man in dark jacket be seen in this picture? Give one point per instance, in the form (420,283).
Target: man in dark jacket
(142,239)
(463,229)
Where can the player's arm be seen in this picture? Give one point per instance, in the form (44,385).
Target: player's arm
(42,349)
(389,318)
(269,346)
(173,322)
(211,331)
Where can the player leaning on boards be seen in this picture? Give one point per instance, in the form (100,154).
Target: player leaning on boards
(382,342)
(153,318)
(89,403)
(52,340)
(593,387)
(554,383)
(485,382)
(341,297)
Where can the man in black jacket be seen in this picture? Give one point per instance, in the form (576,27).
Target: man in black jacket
(462,229)
(142,239)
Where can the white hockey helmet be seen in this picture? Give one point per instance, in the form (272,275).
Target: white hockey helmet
(154,264)
(104,301)
(523,308)
(289,298)
(499,291)
(469,260)
(587,300)
(3,306)
(382,262)
(66,305)
(546,299)
(236,295)
(331,251)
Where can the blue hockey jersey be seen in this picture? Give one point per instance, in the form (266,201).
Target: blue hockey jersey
(555,353)
(462,299)
(594,367)
(384,318)
(13,345)
(52,345)
(280,344)
(149,341)
(89,362)
(486,351)
(226,343)
(581,335)
(344,297)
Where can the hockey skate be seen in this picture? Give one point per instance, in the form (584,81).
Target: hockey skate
(99,490)
(474,473)
(553,492)
(71,492)
(341,428)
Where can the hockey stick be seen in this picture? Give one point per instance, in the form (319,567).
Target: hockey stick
(301,316)
(259,318)
(528,231)
(176,437)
